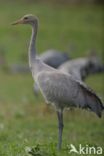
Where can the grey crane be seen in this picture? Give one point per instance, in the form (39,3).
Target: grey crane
(95,63)
(80,68)
(54,58)
(58,88)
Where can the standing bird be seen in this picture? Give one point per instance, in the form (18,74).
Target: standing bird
(58,88)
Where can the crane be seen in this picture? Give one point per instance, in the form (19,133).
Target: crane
(95,63)
(80,68)
(58,88)
(54,58)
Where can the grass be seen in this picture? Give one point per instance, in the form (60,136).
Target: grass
(25,121)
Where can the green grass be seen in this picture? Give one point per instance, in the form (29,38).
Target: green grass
(25,120)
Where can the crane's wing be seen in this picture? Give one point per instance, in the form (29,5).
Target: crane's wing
(62,89)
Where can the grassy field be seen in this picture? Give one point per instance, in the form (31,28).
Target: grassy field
(25,120)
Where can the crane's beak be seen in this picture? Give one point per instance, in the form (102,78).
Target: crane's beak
(18,22)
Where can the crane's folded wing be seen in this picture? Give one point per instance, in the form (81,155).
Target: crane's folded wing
(60,88)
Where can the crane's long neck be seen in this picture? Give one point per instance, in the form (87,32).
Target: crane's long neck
(32,46)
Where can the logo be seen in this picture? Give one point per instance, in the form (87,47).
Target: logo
(85,149)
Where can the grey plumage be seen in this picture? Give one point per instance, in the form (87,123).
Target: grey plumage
(51,57)
(95,63)
(58,88)
(78,68)
(54,58)
(81,68)
(66,92)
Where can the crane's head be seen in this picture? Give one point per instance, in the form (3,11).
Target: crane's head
(27,19)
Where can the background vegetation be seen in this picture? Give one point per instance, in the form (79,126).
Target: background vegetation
(25,120)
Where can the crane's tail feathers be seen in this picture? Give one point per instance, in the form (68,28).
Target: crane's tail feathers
(93,102)
(96,105)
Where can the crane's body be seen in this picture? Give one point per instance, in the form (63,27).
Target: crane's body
(58,88)
(54,58)
(80,68)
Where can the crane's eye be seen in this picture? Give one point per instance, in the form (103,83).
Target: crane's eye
(25,18)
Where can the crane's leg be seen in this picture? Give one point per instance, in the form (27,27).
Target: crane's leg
(60,128)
